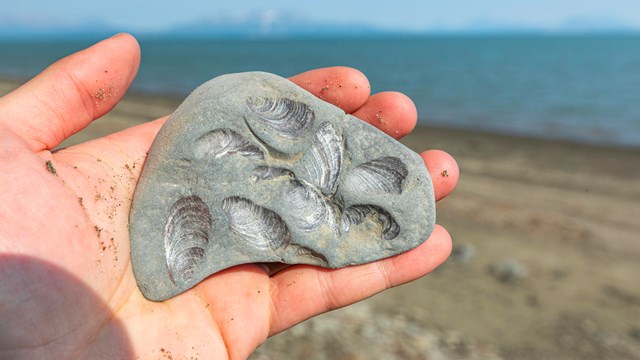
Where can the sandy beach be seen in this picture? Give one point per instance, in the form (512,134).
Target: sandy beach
(545,264)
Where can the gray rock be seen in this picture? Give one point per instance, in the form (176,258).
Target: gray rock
(463,253)
(251,168)
(508,270)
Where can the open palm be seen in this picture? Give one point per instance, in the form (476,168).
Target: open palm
(67,289)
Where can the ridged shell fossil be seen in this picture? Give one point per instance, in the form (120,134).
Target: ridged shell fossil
(261,227)
(308,207)
(358,214)
(323,160)
(224,142)
(382,175)
(291,119)
(264,172)
(186,234)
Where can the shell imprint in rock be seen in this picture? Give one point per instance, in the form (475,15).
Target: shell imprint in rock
(379,175)
(289,118)
(186,235)
(261,227)
(309,209)
(251,168)
(358,214)
(324,159)
(224,142)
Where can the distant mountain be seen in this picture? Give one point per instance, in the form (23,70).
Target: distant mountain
(269,24)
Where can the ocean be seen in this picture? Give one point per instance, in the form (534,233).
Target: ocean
(578,88)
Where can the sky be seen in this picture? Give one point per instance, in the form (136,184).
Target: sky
(404,15)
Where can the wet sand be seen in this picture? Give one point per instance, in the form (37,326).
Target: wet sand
(545,265)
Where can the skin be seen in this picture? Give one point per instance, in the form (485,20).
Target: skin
(67,288)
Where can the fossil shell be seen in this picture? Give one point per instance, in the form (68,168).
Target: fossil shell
(310,256)
(357,214)
(291,119)
(224,142)
(385,174)
(186,233)
(323,160)
(308,207)
(261,227)
(264,172)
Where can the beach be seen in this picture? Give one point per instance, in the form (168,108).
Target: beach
(545,262)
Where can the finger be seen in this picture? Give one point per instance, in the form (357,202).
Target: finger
(71,93)
(301,292)
(392,112)
(341,86)
(444,172)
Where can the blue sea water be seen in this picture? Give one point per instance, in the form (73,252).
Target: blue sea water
(581,88)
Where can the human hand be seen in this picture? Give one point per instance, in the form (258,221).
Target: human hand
(67,288)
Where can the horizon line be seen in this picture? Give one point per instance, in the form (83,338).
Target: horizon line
(240,35)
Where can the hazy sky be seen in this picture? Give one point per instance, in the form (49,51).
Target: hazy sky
(136,15)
